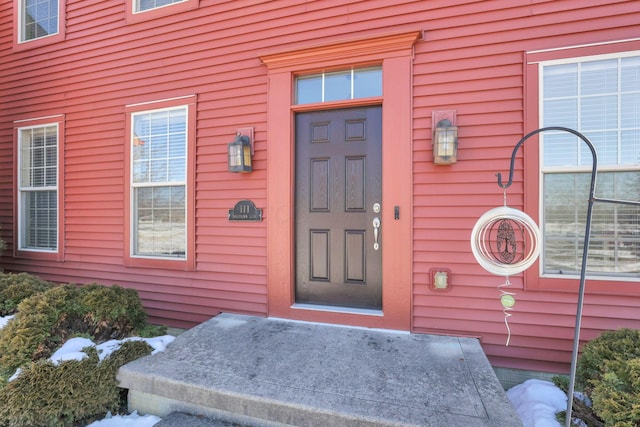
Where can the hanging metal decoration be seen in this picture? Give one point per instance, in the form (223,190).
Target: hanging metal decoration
(504,257)
(505,240)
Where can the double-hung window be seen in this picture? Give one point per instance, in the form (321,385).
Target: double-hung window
(598,96)
(159,180)
(38,188)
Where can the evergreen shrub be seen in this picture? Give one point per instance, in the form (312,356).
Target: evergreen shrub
(46,320)
(111,312)
(609,371)
(64,395)
(16,287)
(73,392)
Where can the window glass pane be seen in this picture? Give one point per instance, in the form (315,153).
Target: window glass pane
(142,5)
(599,112)
(337,86)
(560,81)
(630,110)
(160,221)
(606,144)
(39,18)
(38,157)
(39,223)
(561,112)
(615,229)
(599,77)
(309,89)
(630,147)
(367,82)
(560,149)
(159,145)
(630,73)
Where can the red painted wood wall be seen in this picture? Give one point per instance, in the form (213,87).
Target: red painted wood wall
(471,59)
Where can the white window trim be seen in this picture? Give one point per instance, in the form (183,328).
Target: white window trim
(133,185)
(21,24)
(22,190)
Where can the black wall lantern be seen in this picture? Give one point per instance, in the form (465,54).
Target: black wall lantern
(240,151)
(445,138)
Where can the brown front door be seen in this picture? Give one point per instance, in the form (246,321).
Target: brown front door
(337,200)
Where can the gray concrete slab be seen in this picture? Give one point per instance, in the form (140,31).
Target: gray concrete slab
(267,372)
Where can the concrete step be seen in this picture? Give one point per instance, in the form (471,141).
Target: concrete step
(180,419)
(258,372)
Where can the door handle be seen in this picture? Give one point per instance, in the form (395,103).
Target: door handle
(376,233)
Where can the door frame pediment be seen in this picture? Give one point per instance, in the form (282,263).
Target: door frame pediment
(395,53)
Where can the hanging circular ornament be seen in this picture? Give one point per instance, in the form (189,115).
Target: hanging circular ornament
(504,241)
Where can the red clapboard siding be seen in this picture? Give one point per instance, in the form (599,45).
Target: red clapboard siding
(477,69)
(470,59)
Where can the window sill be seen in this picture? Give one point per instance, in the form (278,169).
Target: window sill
(38,255)
(593,285)
(161,263)
(39,42)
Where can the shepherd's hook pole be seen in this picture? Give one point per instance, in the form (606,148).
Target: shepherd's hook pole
(585,252)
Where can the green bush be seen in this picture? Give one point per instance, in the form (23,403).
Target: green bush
(46,320)
(61,396)
(72,392)
(43,322)
(609,371)
(111,312)
(16,287)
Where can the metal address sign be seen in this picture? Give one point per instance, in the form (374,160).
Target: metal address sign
(245,210)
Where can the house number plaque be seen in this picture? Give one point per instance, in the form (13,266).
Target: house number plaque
(245,210)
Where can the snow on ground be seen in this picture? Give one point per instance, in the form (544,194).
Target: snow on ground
(535,401)
(131,420)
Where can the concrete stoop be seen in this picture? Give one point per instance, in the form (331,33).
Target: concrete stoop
(257,372)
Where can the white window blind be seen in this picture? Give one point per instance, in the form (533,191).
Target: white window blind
(38,193)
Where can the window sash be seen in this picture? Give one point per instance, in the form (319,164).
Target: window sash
(614,247)
(600,97)
(159,142)
(160,221)
(38,19)
(37,186)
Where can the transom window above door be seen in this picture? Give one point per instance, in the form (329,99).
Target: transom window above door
(339,85)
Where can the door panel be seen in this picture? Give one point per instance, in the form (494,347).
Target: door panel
(338,180)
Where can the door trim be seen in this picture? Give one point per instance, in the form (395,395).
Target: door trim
(395,52)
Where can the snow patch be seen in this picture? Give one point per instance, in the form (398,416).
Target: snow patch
(537,402)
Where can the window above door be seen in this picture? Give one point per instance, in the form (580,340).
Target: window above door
(340,85)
